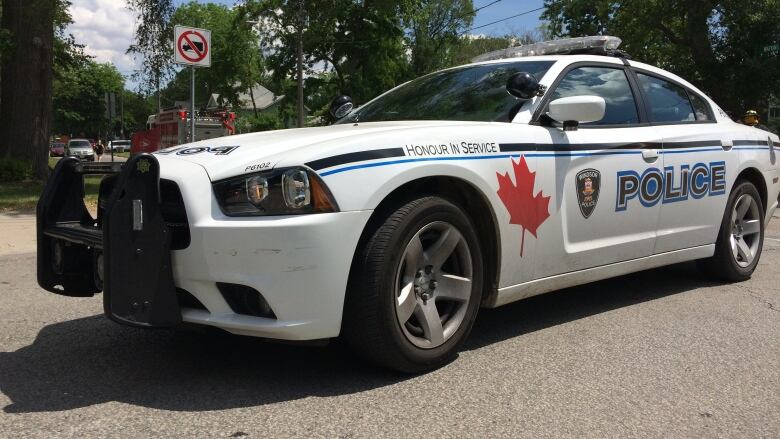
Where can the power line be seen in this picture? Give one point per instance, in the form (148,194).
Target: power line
(474,12)
(485,6)
(504,19)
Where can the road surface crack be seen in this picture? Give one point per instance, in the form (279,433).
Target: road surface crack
(759,298)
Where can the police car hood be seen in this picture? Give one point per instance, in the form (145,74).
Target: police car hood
(229,156)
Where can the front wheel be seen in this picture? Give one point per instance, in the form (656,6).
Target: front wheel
(741,236)
(415,287)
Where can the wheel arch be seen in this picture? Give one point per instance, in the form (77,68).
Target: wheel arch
(471,199)
(753,175)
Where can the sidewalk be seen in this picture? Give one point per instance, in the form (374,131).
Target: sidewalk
(17,233)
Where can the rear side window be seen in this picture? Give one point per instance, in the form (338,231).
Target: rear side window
(668,102)
(608,83)
(700,106)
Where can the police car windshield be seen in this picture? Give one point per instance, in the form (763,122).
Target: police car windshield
(473,93)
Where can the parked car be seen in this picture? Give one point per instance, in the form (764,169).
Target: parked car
(81,149)
(57,149)
(470,187)
(118,146)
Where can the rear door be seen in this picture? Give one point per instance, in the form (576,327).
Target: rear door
(700,162)
(597,172)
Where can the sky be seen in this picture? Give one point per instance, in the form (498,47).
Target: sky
(106,26)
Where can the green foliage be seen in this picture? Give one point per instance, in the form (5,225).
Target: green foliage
(472,47)
(14,170)
(364,45)
(137,109)
(716,44)
(262,122)
(79,98)
(153,36)
(434,29)
(236,58)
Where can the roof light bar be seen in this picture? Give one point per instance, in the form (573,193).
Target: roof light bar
(597,45)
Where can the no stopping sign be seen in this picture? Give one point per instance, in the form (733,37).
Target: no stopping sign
(192,46)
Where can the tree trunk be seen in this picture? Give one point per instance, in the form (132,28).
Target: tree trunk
(25,108)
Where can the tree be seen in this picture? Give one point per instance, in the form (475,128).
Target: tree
(25,108)
(361,42)
(236,57)
(153,36)
(716,44)
(137,109)
(434,32)
(79,98)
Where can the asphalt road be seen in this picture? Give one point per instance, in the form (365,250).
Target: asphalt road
(664,353)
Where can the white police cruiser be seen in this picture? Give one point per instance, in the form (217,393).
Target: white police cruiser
(446,194)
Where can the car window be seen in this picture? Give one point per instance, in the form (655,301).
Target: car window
(700,106)
(608,83)
(79,144)
(473,93)
(668,102)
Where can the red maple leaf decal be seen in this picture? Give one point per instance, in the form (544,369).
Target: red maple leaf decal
(525,209)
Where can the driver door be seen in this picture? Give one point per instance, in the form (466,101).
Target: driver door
(597,216)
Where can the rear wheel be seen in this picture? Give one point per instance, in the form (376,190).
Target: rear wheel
(416,287)
(741,237)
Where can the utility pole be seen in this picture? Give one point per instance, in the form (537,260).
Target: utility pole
(301,15)
(122,113)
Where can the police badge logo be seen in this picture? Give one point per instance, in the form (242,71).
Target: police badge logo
(588,185)
(143,166)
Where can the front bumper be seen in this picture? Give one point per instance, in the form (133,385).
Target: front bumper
(298,264)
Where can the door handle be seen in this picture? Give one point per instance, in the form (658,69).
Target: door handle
(650,155)
(727,144)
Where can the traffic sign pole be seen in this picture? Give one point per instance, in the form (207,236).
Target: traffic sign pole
(192,105)
(192,47)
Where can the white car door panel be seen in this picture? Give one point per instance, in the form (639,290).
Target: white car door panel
(593,226)
(699,163)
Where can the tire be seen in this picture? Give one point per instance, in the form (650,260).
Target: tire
(741,236)
(403,274)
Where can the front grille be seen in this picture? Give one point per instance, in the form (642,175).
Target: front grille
(174,214)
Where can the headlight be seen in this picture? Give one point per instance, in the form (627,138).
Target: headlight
(289,191)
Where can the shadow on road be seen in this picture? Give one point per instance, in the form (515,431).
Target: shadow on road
(91,360)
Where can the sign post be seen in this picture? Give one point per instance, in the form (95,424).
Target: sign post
(192,47)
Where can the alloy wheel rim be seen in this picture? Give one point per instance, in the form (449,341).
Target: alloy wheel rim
(433,285)
(745,230)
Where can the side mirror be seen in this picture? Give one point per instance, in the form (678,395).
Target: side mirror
(523,85)
(341,106)
(574,110)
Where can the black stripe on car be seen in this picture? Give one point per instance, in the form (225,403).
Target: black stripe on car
(353,157)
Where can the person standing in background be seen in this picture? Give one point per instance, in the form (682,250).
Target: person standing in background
(99,148)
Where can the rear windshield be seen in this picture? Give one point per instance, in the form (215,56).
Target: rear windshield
(473,93)
(121,142)
(80,144)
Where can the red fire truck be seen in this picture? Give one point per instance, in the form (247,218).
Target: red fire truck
(171,127)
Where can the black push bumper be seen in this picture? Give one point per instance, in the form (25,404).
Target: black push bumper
(125,251)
